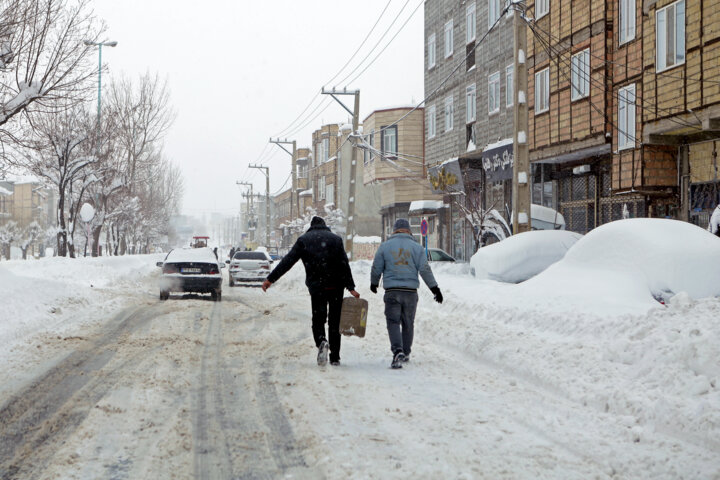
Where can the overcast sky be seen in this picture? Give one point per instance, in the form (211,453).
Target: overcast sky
(241,71)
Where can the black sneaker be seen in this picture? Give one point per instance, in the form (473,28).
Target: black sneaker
(322,357)
(406,358)
(335,363)
(398,360)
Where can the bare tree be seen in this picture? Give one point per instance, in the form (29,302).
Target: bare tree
(141,116)
(42,55)
(58,153)
(29,235)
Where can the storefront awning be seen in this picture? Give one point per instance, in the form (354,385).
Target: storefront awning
(424,207)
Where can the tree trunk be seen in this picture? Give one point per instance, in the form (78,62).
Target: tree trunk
(96,240)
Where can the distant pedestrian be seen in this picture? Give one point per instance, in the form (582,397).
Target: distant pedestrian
(714,224)
(232,253)
(327,274)
(399,260)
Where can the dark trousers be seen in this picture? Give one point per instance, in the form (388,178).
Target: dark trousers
(400,307)
(326,306)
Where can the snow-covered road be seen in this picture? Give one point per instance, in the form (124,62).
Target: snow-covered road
(109,382)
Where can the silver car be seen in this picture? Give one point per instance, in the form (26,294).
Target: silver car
(249,267)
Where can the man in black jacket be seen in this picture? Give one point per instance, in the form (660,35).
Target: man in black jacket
(327,274)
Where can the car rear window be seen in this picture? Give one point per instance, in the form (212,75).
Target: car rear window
(250,256)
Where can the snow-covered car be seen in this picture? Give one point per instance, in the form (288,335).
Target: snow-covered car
(522,256)
(249,267)
(638,262)
(438,255)
(191,270)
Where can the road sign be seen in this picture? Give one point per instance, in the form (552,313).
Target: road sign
(423,227)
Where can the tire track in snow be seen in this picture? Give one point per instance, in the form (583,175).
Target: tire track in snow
(34,422)
(240,427)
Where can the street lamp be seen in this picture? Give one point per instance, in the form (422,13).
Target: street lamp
(100,45)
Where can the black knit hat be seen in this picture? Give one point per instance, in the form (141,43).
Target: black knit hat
(317,221)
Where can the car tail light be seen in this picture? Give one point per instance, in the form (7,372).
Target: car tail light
(213,271)
(169,268)
(265,266)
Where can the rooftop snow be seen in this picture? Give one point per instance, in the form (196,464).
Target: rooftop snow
(192,255)
(498,144)
(419,205)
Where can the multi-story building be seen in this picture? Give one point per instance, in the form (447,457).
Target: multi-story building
(6,201)
(677,107)
(570,85)
(393,159)
(469,113)
(322,172)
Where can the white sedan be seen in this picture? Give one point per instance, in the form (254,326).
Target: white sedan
(249,267)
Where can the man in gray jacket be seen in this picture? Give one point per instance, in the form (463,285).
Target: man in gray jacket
(399,260)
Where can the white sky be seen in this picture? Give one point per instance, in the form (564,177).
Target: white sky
(241,71)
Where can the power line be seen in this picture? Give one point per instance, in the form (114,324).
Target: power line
(381,39)
(282,133)
(588,76)
(666,74)
(450,75)
(550,50)
(308,122)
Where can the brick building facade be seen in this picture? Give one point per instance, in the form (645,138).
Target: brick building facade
(469,111)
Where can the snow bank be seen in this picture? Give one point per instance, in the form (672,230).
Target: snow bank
(522,256)
(359,239)
(38,294)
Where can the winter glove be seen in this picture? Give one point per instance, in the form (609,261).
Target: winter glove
(373,288)
(438,295)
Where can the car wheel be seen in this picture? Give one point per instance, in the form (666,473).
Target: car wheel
(164,295)
(232,282)
(216,295)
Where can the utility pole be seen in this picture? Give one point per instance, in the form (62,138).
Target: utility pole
(293,193)
(248,205)
(521,193)
(350,230)
(267,201)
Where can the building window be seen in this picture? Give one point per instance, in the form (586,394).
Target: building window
(626,117)
(325,149)
(470,23)
(542,91)
(509,86)
(330,193)
(321,188)
(627,21)
(494,93)
(470,103)
(431,51)
(580,74)
(432,127)
(448,39)
(449,111)
(493,12)
(389,142)
(670,35)
(542,8)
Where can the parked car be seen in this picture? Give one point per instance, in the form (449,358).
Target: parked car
(438,255)
(249,267)
(191,270)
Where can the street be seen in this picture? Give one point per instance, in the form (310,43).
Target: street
(191,388)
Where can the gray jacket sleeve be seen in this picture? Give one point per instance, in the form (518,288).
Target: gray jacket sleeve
(378,266)
(425,270)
